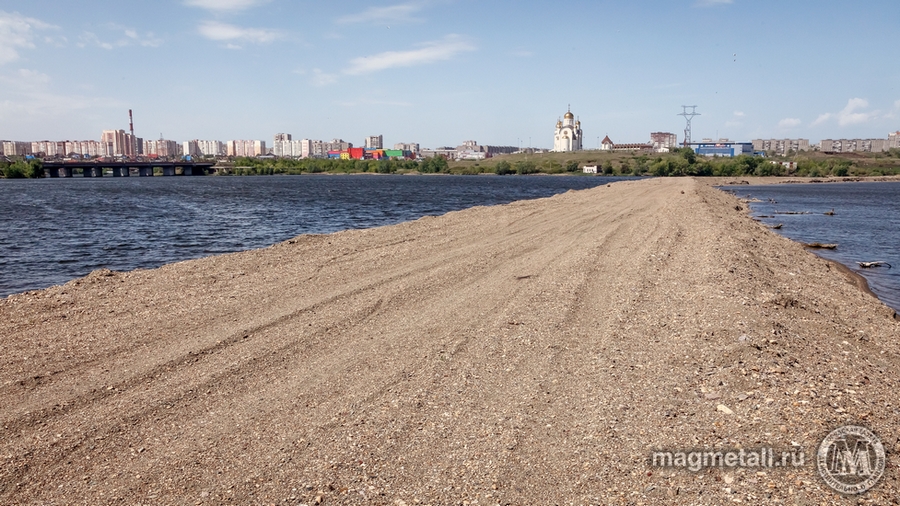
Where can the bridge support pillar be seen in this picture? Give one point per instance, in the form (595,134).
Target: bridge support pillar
(168,171)
(93,172)
(146,171)
(52,172)
(67,172)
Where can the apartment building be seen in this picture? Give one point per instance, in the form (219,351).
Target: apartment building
(412,147)
(120,143)
(854,145)
(245,148)
(162,148)
(893,140)
(375,142)
(781,147)
(16,148)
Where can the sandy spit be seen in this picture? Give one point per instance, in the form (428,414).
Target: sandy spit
(531,353)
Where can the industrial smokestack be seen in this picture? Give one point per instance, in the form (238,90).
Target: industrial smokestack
(133,143)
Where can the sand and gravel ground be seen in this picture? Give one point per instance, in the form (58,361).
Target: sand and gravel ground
(532,353)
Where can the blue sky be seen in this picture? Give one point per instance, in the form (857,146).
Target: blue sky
(439,72)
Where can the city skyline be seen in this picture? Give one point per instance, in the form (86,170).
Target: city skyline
(438,72)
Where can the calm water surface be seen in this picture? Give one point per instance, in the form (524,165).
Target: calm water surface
(54,230)
(865,225)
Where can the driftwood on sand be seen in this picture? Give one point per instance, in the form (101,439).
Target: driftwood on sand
(818,245)
(869,265)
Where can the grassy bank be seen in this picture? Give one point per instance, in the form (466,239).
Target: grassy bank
(682,162)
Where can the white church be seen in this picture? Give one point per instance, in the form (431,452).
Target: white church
(568,134)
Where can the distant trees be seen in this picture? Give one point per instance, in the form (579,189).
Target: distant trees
(524,167)
(20,169)
(434,165)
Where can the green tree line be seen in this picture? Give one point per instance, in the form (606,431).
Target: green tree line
(20,169)
(255,166)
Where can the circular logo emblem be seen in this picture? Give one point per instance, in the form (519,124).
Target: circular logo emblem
(851,459)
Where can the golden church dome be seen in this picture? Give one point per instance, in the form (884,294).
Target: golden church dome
(569,115)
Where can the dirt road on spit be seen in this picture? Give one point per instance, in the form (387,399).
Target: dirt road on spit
(532,353)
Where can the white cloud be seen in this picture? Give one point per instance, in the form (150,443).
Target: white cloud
(18,32)
(27,98)
(430,52)
(225,5)
(739,114)
(851,115)
(321,78)
(789,123)
(215,30)
(91,39)
(712,3)
(854,113)
(894,111)
(400,13)
(31,78)
(128,37)
(822,119)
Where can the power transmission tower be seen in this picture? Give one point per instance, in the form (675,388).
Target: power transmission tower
(688,116)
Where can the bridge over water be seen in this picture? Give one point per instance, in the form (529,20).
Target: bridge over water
(126,169)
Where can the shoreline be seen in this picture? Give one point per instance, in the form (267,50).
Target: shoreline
(767,180)
(532,352)
(723,183)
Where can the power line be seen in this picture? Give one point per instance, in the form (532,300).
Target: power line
(688,116)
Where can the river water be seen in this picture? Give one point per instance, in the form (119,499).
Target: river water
(865,224)
(55,230)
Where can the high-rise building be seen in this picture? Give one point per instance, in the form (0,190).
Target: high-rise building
(82,148)
(375,142)
(285,147)
(15,148)
(318,149)
(191,148)
(162,148)
(49,149)
(245,148)
(212,148)
(119,143)
(306,148)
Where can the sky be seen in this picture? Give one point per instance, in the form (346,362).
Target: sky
(440,72)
